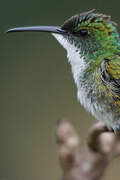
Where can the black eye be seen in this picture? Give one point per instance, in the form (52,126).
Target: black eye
(82,32)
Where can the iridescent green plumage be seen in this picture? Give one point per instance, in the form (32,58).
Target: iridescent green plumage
(103,34)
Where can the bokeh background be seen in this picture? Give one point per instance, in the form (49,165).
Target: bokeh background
(36,88)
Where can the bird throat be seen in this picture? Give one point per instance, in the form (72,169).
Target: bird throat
(75,57)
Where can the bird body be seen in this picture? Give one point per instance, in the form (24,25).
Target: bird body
(95,89)
(93,50)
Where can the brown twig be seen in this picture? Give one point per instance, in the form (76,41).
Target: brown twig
(89,164)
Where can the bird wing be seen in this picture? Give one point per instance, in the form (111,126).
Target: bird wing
(110,74)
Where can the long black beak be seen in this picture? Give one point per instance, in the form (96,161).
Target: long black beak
(51,29)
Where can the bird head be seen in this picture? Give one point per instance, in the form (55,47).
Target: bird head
(87,32)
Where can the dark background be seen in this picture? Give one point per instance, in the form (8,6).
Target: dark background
(36,88)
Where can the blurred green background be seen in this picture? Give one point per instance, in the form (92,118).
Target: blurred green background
(36,88)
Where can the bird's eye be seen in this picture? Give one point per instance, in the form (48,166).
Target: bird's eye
(82,32)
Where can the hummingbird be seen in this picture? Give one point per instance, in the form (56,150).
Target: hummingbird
(92,43)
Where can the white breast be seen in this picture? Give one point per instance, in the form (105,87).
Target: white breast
(78,66)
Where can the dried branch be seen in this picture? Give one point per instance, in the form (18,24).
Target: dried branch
(89,164)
